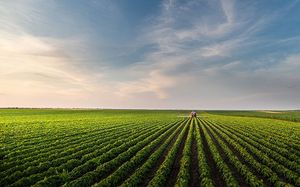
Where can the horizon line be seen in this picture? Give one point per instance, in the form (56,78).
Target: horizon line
(107,108)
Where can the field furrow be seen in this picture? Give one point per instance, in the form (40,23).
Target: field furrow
(146,172)
(135,148)
(252,159)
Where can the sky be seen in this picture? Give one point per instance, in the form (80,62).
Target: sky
(177,54)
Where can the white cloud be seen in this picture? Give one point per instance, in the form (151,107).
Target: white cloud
(155,83)
(35,67)
(214,41)
(190,62)
(172,54)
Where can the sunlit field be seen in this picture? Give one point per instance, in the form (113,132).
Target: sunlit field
(159,93)
(64,147)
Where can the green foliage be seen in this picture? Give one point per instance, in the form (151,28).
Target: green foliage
(60,147)
(292,115)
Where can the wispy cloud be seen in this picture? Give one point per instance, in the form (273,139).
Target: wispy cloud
(205,48)
(155,83)
(173,42)
(212,50)
(24,58)
(39,68)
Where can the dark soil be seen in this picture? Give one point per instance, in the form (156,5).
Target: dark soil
(194,170)
(281,176)
(152,172)
(112,171)
(232,168)
(241,158)
(154,149)
(176,165)
(215,174)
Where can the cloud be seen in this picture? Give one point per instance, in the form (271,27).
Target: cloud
(172,43)
(191,53)
(206,34)
(40,67)
(155,83)
(203,54)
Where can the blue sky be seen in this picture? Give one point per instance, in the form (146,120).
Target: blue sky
(206,54)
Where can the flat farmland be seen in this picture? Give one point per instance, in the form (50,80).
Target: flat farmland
(64,147)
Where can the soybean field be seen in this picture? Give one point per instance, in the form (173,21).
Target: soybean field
(65,147)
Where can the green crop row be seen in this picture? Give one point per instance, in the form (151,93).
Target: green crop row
(183,178)
(55,156)
(265,159)
(281,136)
(114,159)
(58,146)
(38,170)
(204,170)
(146,148)
(164,170)
(68,162)
(34,146)
(261,145)
(222,166)
(271,143)
(248,176)
(138,177)
(237,143)
(140,157)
